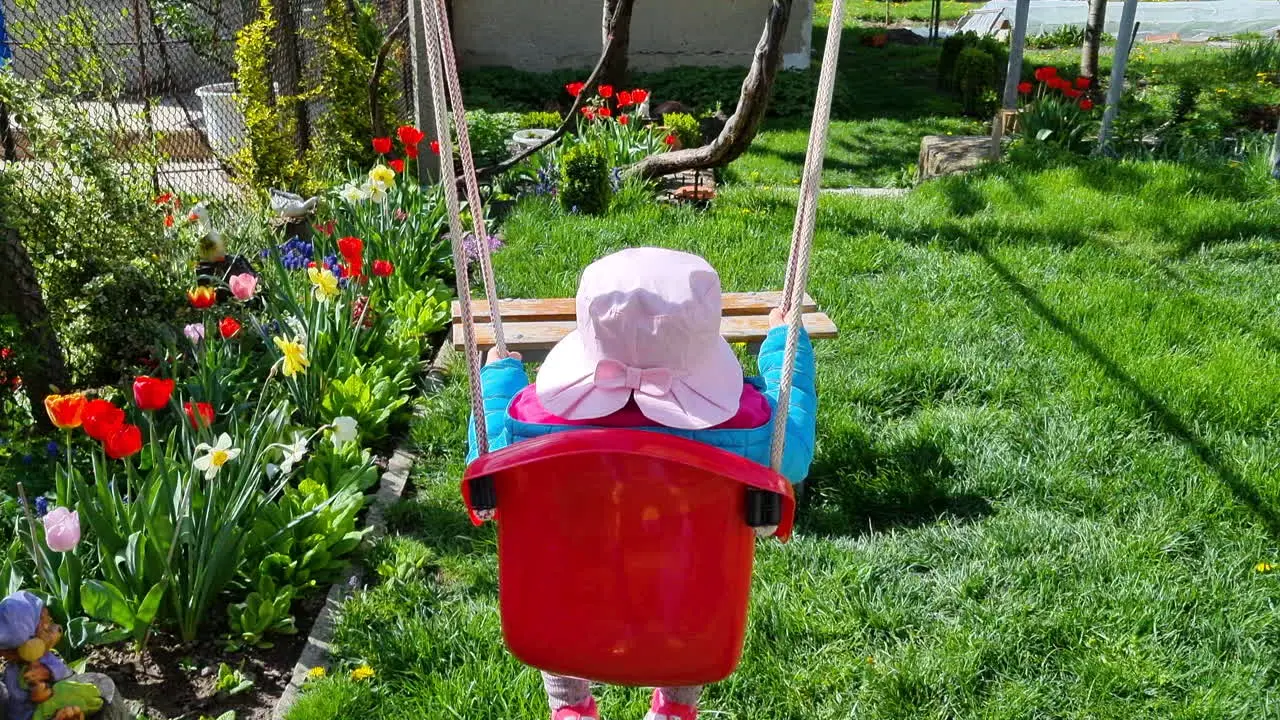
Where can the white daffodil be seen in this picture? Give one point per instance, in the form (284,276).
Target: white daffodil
(215,456)
(345,430)
(353,193)
(377,191)
(293,452)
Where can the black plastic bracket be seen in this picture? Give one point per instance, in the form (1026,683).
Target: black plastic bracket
(484,494)
(764,508)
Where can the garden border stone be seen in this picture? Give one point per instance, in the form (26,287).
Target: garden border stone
(316,651)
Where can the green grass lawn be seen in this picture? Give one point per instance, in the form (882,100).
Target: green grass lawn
(1047,472)
(878,11)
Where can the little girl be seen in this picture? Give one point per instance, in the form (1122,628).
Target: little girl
(648,354)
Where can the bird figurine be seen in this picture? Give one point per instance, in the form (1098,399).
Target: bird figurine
(213,248)
(290,206)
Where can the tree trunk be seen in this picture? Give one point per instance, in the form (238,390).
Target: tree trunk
(741,128)
(1275,156)
(616,25)
(1093,41)
(42,364)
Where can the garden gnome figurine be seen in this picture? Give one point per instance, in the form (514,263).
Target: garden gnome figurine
(212,247)
(37,684)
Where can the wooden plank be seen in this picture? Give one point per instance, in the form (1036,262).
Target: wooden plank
(544,335)
(732,304)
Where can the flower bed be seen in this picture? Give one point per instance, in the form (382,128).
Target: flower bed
(193,518)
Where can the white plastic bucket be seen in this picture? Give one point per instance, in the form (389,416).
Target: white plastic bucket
(223,122)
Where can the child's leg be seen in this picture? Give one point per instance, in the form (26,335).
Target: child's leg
(565,691)
(675,703)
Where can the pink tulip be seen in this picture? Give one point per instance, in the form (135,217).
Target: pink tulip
(62,529)
(243,286)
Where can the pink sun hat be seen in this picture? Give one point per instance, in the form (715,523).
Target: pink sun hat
(648,329)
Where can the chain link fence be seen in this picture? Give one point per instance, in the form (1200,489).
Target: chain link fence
(157,76)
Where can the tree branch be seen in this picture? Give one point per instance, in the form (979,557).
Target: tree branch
(738,132)
(377,120)
(616,41)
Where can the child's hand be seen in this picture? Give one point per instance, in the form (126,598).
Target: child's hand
(776,318)
(493,356)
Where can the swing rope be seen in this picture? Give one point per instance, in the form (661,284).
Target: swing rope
(434,25)
(797,277)
(446,91)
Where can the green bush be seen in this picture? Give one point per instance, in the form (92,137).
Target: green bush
(686,127)
(951,49)
(975,80)
(489,133)
(540,120)
(584,181)
(269,158)
(97,241)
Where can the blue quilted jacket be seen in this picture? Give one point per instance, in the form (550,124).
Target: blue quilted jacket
(503,380)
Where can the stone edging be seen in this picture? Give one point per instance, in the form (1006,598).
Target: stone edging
(316,652)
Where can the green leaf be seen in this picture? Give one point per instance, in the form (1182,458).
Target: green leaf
(104,601)
(151,604)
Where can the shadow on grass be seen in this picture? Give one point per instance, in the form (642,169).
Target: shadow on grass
(855,488)
(1162,417)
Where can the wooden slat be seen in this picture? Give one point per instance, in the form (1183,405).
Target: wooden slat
(543,335)
(733,304)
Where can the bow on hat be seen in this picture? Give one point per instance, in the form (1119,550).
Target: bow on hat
(613,375)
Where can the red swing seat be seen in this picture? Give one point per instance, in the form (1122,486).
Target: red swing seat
(624,556)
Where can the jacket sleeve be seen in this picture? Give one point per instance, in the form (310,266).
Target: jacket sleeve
(500,382)
(802,412)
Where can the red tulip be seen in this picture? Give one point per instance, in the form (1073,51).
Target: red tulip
(624,98)
(228,328)
(589,112)
(411,151)
(101,419)
(606,91)
(151,393)
(435,147)
(409,135)
(624,120)
(202,297)
(1043,74)
(670,140)
(1071,92)
(205,417)
(65,411)
(125,441)
(1024,88)
(1086,104)
(604,112)
(382,145)
(639,96)
(168,221)
(352,249)
(164,199)
(575,88)
(397,165)
(1083,83)
(383,268)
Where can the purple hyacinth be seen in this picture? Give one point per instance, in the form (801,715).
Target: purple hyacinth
(42,506)
(472,249)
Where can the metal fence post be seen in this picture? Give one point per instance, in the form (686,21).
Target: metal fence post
(1124,43)
(423,109)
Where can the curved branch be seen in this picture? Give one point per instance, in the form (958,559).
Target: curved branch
(740,129)
(616,41)
(376,116)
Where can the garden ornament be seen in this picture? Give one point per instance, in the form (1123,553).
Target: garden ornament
(38,685)
(292,207)
(212,246)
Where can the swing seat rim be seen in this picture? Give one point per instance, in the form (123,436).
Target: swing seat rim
(624,442)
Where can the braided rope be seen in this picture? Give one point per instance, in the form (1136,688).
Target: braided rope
(431,32)
(805,225)
(469,173)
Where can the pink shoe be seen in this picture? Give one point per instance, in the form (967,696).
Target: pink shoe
(585,710)
(661,709)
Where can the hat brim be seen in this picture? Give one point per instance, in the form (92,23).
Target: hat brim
(705,397)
